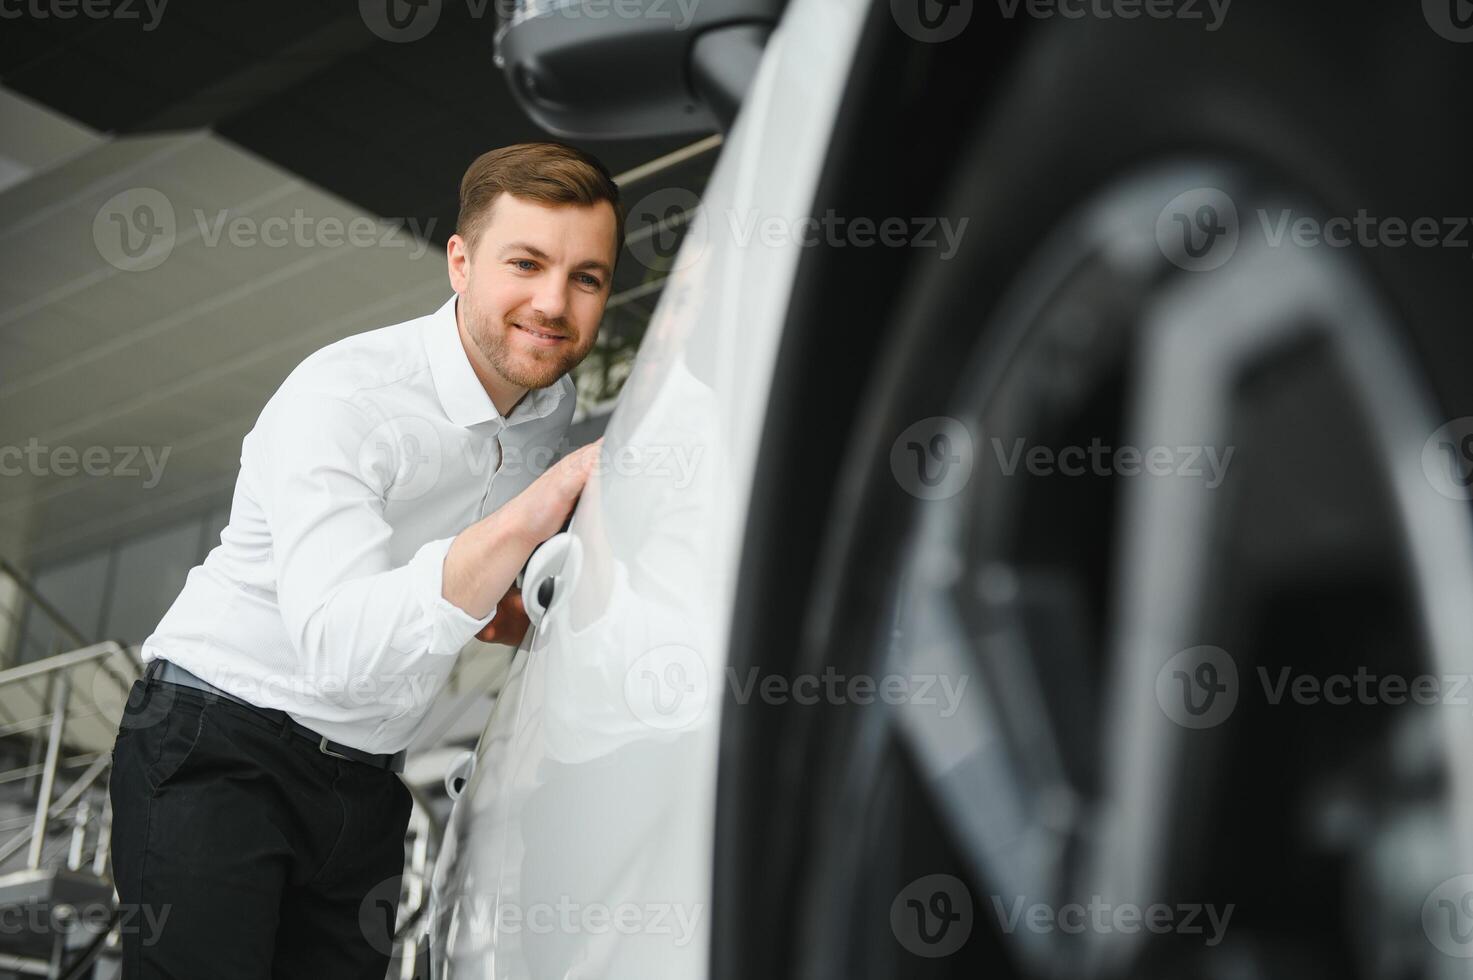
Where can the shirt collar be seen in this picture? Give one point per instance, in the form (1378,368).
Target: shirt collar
(465,401)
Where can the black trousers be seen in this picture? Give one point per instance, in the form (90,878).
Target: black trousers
(240,850)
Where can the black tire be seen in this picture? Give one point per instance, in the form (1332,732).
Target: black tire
(1314,565)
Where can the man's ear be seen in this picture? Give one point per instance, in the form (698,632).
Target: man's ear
(457,262)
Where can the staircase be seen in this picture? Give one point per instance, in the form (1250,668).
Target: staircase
(58,720)
(58,717)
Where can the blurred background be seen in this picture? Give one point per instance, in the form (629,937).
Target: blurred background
(191,202)
(193,198)
(200,118)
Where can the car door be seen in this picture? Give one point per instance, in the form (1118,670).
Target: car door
(581,845)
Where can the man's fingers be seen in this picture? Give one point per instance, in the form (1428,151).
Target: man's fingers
(577,465)
(583,460)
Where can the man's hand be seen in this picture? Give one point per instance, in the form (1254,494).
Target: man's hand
(540,511)
(483,560)
(510,624)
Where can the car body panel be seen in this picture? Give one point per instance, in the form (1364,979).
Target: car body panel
(581,845)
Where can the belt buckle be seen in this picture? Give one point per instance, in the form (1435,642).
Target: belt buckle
(327,751)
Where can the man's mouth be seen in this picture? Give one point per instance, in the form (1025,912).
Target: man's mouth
(542,337)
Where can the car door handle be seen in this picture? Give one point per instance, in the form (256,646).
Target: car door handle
(458,774)
(550,574)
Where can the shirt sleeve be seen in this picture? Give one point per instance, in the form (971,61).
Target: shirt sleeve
(327,469)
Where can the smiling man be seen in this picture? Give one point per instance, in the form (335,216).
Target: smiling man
(384,506)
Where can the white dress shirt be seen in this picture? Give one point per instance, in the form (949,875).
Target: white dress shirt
(323,598)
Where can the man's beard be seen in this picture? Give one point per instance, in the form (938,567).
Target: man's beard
(527,368)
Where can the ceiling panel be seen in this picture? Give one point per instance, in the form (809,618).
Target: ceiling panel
(245,110)
(183,354)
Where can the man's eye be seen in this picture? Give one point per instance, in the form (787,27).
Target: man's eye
(588,280)
(525,265)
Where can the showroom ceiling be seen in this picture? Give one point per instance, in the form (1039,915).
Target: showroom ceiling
(307,85)
(226,111)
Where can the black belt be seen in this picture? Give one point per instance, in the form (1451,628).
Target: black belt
(171,673)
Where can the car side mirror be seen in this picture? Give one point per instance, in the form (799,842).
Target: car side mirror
(594,69)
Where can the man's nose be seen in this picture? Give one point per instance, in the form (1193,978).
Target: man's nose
(550,298)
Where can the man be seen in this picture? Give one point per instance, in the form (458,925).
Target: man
(386,502)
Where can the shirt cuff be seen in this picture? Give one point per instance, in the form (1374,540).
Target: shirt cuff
(452,626)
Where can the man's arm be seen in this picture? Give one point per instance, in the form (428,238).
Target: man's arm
(323,468)
(484,559)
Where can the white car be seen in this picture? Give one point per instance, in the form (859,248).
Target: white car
(581,842)
(1034,545)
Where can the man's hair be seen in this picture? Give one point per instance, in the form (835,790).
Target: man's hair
(548,173)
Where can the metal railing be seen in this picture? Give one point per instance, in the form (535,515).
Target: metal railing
(57,675)
(10,637)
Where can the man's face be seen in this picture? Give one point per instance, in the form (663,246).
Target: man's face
(533,289)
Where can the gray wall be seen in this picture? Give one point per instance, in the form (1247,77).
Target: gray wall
(120,592)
